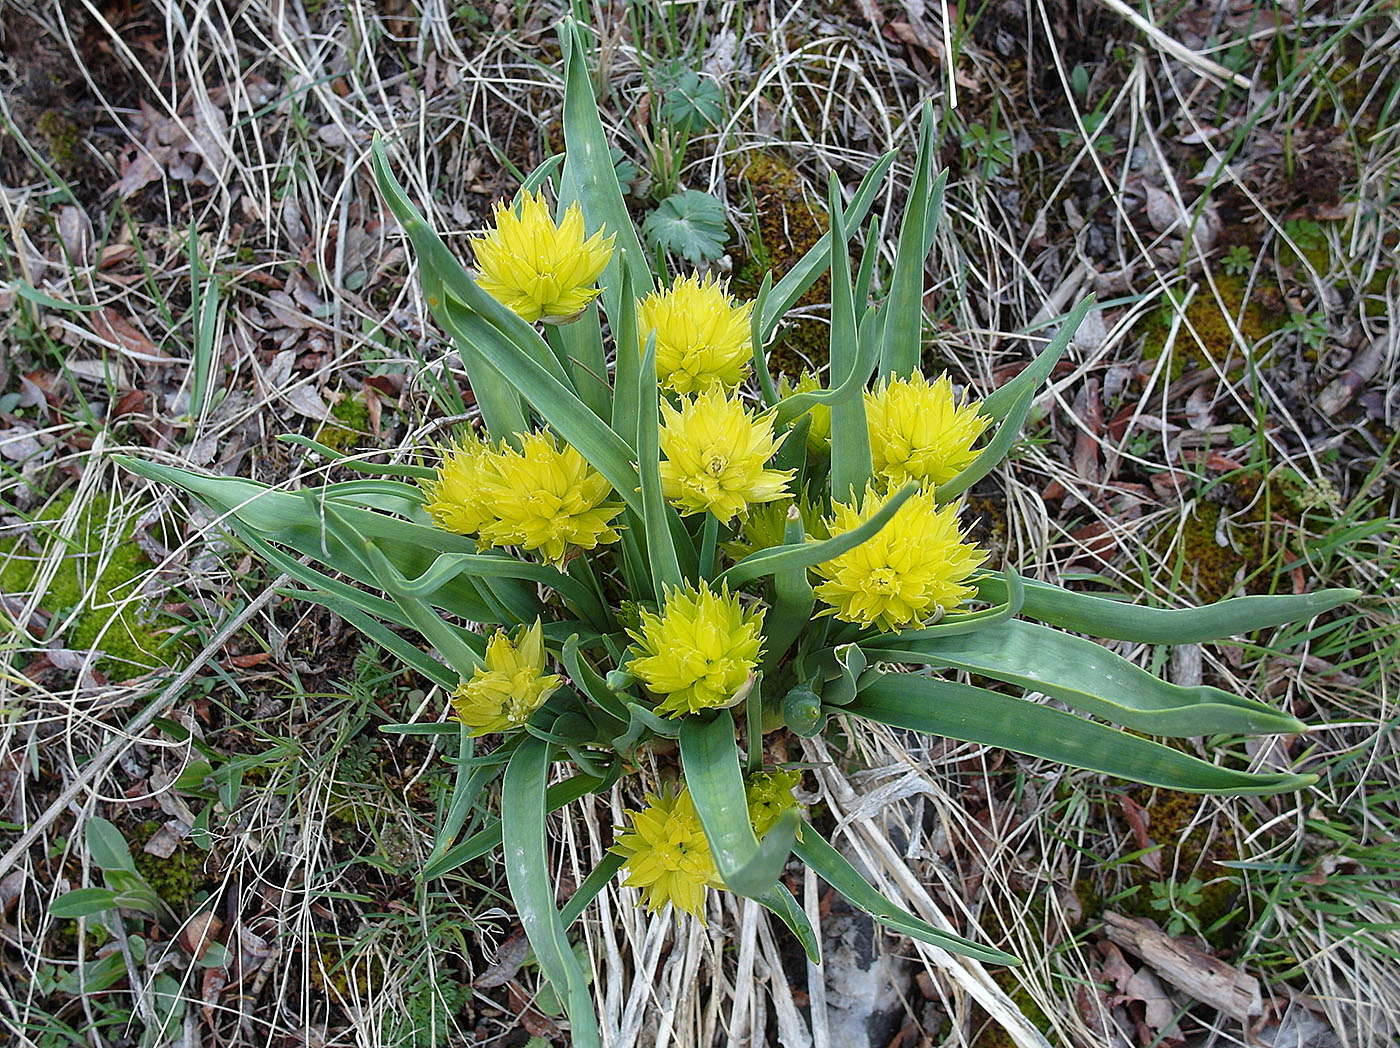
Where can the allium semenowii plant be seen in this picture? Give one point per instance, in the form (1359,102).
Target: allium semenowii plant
(635,550)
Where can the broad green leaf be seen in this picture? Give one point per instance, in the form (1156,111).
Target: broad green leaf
(810,266)
(461,656)
(1102,616)
(531,882)
(850,434)
(970,714)
(710,760)
(582,343)
(780,902)
(589,176)
(831,866)
(901,344)
(792,557)
(83,902)
(626,383)
(1090,678)
(1012,403)
(107,846)
(570,417)
(661,546)
(690,224)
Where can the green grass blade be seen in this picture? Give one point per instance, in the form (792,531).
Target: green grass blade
(794,556)
(810,266)
(831,866)
(970,714)
(571,418)
(1012,403)
(850,435)
(1092,679)
(710,758)
(901,345)
(1105,617)
(661,546)
(760,352)
(589,176)
(531,882)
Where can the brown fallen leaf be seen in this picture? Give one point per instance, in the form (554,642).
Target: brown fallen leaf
(509,957)
(111,326)
(1188,967)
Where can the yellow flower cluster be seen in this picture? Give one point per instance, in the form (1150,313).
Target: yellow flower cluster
(699,651)
(505,693)
(666,853)
(916,564)
(543,497)
(703,340)
(715,453)
(537,269)
(919,431)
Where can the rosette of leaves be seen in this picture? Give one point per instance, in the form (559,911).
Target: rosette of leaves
(368,550)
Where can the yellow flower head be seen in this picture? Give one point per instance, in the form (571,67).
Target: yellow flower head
(454,495)
(715,451)
(667,855)
(537,269)
(769,794)
(919,431)
(903,574)
(541,497)
(699,651)
(510,688)
(819,430)
(703,339)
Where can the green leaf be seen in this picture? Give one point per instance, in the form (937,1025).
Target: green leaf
(970,714)
(780,902)
(710,760)
(661,546)
(83,902)
(1092,679)
(903,316)
(792,557)
(850,434)
(690,224)
(793,598)
(1101,616)
(531,882)
(28,291)
(589,176)
(831,866)
(570,417)
(1012,403)
(591,888)
(626,407)
(810,266)
(107,846)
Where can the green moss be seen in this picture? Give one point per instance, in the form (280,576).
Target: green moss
(784,227)
(1214,323)
(62,138)
(179,879)
(131,639)
(353,415)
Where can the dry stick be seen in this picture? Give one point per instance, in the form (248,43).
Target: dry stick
(1197,61)
(133,731)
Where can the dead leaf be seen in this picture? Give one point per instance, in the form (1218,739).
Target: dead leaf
(509,958)
(112,327)
(1137,819)
(1159,1011)
(145,167)
(75,230)
(199,933)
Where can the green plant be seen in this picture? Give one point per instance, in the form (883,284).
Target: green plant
(690,224)
(620,626)
(1238,260)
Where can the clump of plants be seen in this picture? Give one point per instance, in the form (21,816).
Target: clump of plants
(643,565)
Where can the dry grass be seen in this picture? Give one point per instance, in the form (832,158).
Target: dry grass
(151,148)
